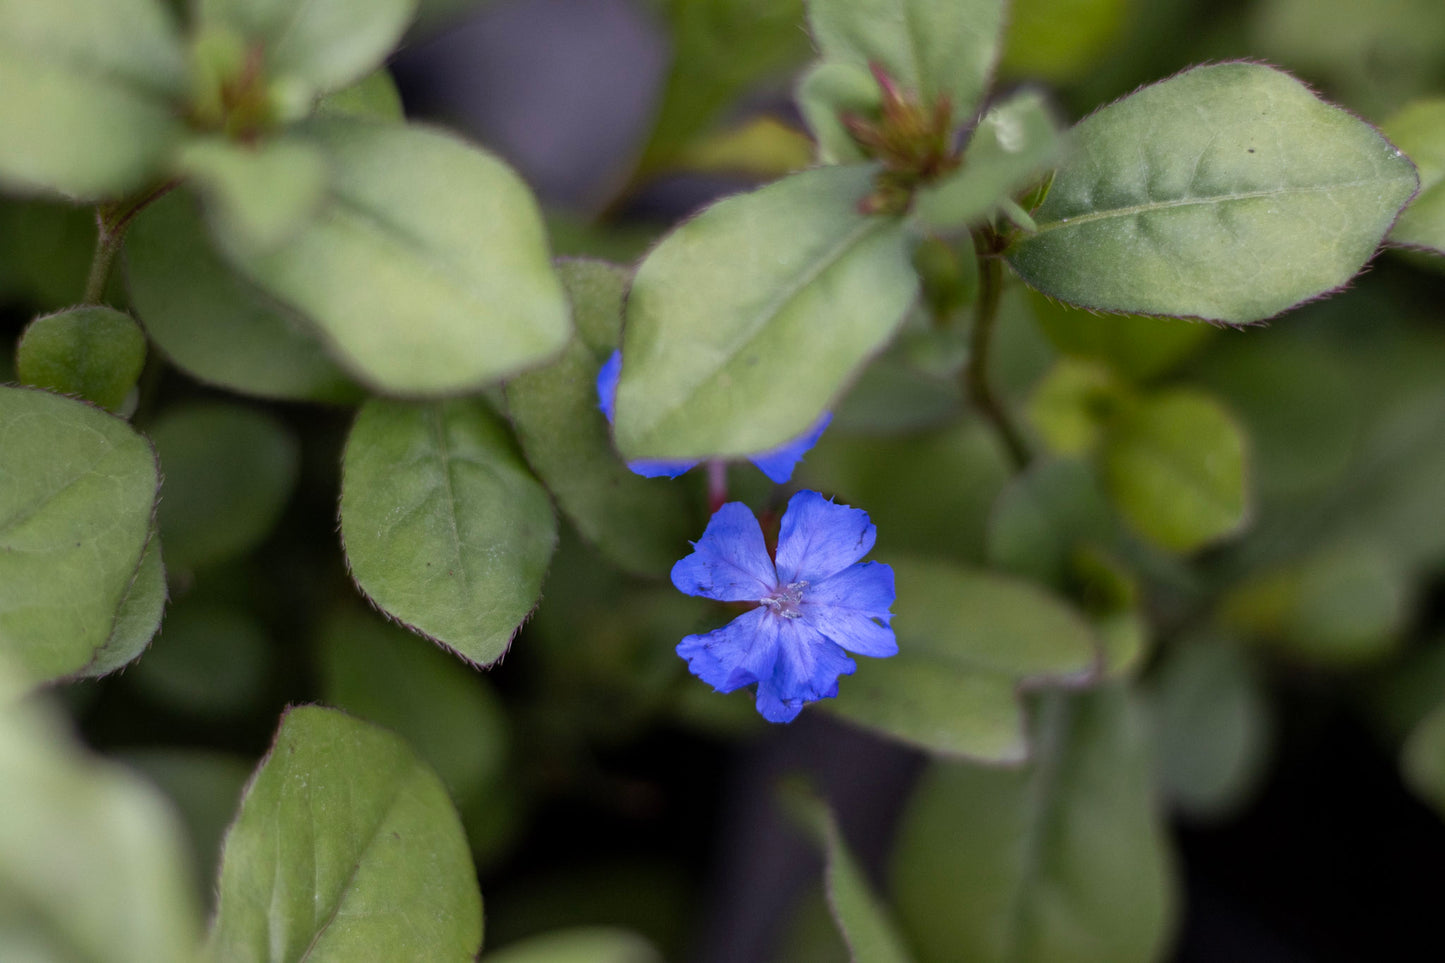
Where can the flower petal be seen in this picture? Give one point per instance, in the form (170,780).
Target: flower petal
(779,463)
(607,380)
(738,654)
(659,469)
(807,669)
(820,538)
(730,562)
(849,607)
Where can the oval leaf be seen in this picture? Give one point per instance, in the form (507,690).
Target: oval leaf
(137,617)
(228,474)
(444,527)
(1174,465)
(91,88)
(1419,131)
(969,642)
(1062,861)
(582,944)
(643,524)
(77,491)
(92,352)
(1133,346)
(1423,759)
(747,321)
(427,269)
(346,847)
(1229,193)
(260,194)
(213,325)
(935,48)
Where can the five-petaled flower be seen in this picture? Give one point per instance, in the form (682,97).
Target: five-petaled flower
(777,464)
(816,600)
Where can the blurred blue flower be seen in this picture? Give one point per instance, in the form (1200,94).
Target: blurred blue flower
(816,599)
(777,464)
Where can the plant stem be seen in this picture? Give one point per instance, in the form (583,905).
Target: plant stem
(111,221)
(975,373)
(717,485)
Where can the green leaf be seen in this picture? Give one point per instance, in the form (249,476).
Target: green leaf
(1419,131)
(444,527)
(1423,759)
(969,642)
(935,48)
(1064,860)
(1342,605)
(1043,516)
(1133,346)
(92,864)
(45,251)
(1229,193)
(228,474)
(864,922)
(345,848)
(747,321)
(137,617)
(373,97)
(92,352)
(211,662)
(91,88)
(321,45)
(582,944)
(260,194)
(642,524)
(828,91)
(1073,405)
(446,711)
(1174,465)
(427,268)
(213,325)
(1058,40)
(1014,145)
(1213,727)
(77,490)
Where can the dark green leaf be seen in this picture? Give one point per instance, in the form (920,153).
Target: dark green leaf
(1419,131)
(643,524)
(427,268)
(584,944)
(1043,516)
(1423,759)
(228,474)
(345,848)
(92,352)
(1058,40)
(1062,861)
(210,662)
(747,321)
(1133,346)
(1228,192)
(444,527)
(77,490)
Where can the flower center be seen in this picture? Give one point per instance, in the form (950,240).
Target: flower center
(786,600)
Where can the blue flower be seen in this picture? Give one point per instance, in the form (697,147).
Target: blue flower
(816,599)
(777,464)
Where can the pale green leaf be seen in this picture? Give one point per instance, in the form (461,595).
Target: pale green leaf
(448,712)
(582,944)
(373,97)
(1229,193)
(862,919)
(1423,759)
(444,527)
(92,863)
(934,48)
(91,87)
(1014,145)
(321,44)
(228,474)
(762,148)
(427,269)
(345,848)
(92,352)
(1064,860)
(260,194)
(1419,131)
(1059,40)
(1073,405)
(829,91)
(1213,727)
(1135,347)
(643,524)
(1174,466)
(77,491)
(213,325)
(137,617)
(1342,605)
(968,641)
(747,321)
